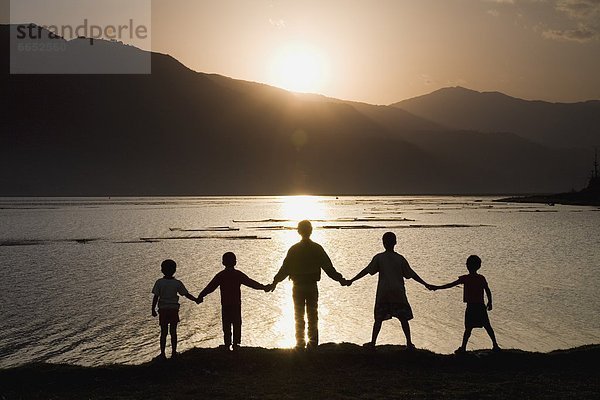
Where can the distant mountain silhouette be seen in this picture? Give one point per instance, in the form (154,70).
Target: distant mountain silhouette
(179,132)
(553,124)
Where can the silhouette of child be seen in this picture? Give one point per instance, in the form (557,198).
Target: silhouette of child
(302,265)
(476,315)
(391,300)
(230,281)
(165,292)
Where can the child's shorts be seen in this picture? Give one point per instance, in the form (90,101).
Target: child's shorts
(168,316)
(476,315)
(385,311)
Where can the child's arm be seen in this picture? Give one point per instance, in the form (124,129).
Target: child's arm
(327,266)
(488,292)
(190,297)
(184,292)
(281,274)
(154,303)
(360,275)
(251,283)
(446,286)
(211,287)
(417,278)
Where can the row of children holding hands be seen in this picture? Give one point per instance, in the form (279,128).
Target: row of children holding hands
(391,300)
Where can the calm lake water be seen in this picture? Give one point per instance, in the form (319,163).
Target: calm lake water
(77,273)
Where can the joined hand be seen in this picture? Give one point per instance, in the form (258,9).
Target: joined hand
(270,288)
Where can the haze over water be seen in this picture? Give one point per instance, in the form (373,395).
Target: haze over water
(76,275)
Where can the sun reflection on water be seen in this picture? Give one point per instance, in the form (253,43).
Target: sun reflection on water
(298,208)
(284,325)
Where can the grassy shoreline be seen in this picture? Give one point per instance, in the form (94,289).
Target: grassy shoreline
(344,371)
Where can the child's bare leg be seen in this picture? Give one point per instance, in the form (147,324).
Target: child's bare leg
(164,330)
(173,332)
(466,337)
(406,329)
(490,331)
(376,330)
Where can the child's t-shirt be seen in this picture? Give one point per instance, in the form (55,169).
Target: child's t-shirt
(473,287)
(392,268)
(167,289)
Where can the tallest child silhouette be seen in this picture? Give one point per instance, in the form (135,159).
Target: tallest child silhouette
(303,265)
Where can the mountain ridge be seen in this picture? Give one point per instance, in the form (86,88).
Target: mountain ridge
(181,132)
(555,124)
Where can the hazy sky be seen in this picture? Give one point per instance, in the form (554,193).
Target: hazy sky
(383,51)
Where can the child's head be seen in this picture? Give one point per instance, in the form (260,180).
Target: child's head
(389,240)
(305,229)
(473,263)
(229,260)
(168,268)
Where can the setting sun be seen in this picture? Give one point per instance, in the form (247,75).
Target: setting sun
(299,68)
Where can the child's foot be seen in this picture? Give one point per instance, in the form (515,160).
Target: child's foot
(235,347)
(161,357)
(460,350)
(224,347)
(369,346)
(174,355)
(496,348)
(410,347)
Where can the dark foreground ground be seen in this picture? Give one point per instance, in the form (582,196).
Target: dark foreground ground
(343,371)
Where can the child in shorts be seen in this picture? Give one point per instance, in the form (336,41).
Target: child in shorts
(165,292)
(390,301)
(476,316)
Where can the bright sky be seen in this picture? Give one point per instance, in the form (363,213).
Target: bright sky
(383,51)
